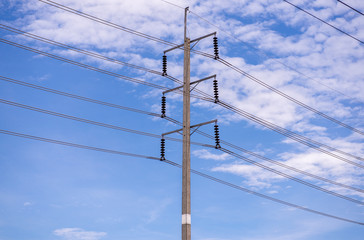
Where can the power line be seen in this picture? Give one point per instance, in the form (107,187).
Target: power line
(289,97)
(289,134)
(356,10)
(102,21)
(174,121)
(261,52)
(60,6)
(265,123)
(87,121)
(89,67)
(134,66)
(323,21)
(83,65)
(96,123)
(173,4)
(282,174)
(179,166)
(278,163)
(89,53)
(70,95)
(228,106)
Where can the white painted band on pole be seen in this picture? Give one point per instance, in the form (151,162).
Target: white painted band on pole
(186,219)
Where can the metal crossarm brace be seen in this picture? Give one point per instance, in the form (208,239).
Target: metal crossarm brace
(198,81)
(197,39)
(193,126)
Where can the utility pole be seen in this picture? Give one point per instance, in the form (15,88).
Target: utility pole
(186,164)
(186,130)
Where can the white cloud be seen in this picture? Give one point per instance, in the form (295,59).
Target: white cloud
(78,234)
(293,38)
(206,154)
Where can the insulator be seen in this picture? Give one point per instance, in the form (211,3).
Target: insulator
(164,65)
(217,138)
(216,48)
(163,149)
(216,91)
(163,107)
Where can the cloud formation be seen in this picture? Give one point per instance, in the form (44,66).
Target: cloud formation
(78,234)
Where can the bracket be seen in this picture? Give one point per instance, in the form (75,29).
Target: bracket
(193,126)
(198,81)
(195,40)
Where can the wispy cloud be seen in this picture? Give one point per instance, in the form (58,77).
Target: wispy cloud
(206,154)
(78,234)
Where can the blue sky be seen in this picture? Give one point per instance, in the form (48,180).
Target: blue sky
(49,191)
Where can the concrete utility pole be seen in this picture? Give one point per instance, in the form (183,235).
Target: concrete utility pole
(186,130)
(186,165)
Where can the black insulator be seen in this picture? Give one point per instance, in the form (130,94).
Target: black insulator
(216,91)
(217,138)
(164,65)
(163,107)
(216,48)
(163,149)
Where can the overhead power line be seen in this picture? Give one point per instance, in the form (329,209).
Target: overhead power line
(323,21)
(154,72)
(262,52)
(78,50)
(176,122)
(89,67)
(252,117)
(87,121)
(71,10)
(282,174)
(96,123)
(356,10)
(289,134)
(83,65)
(292,99)
(265,123)
(179,166)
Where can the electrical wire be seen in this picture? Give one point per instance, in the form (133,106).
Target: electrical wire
(325,22)
(226,63)
(207,96)
(289,134)
(104,22)
(210,98)
(70,95)
(356,10)
(264,54)
(87,121)
(177,123)
(179,166)
(278,163)
(100,124)
(301,139)
(289,97)
(89,67)
(239,111)
(83,65)
(85,52)
(282,174)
